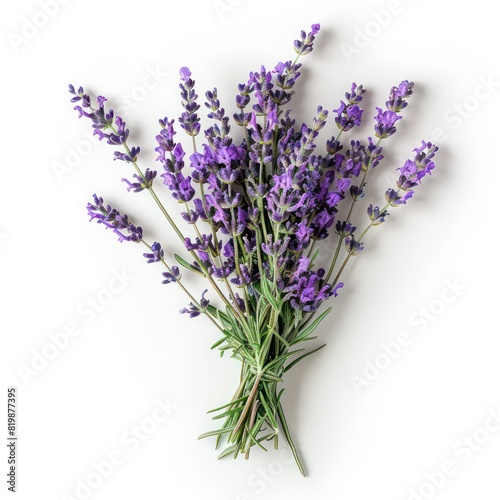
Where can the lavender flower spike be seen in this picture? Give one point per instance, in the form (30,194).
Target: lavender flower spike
(412,173)
(349,115)
(189,119)
(112,218)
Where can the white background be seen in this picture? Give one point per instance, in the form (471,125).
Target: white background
(381,441)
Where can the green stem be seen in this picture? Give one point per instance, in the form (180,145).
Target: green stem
(281,415)
(348,218)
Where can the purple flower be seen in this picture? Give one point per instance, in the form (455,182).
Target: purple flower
(323,220)
(374,157)
(301,237)
(305,44)
(112,218)
(315,28)
(285,74)
(201,164)
(128,157)
(204,244)
(218,132)
(412,173)
(189,119)
(376,215)
(349,115)
(102,120)
(165,140)
(385,123)
(353,246)
(180,186)
(245,277)
(186,191)
(395,199)
(356,192)
(275,248)
(145,182)
(171,277)
(156,253)
(185,74)
(344,228)
(172,181)
(306,290)
(398,96)
(203,301)
(193,310)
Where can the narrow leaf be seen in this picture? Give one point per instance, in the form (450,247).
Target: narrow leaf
(304,333)
(217,432)
(295,361)
(187,265)
(228,451)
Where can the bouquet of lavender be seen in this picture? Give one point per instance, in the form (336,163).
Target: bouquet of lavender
(254,211)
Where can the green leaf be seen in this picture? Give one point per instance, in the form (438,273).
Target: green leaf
(253,435)
(304,333)
(295,361)
(187,265)
(270,376)
(228,413)
(216,313)
(228,451)
(265,347)
(276,334)
(281,359)
(267,294)
(314,256)
(218,343)
(239,400)
(270,412)
(217,432)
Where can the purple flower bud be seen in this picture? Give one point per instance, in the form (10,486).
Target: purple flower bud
(128,157)
(156,253)
(144,182)
(101,100)
(315,28)
(305,44)
(385,123)
(172,277)
(344,229)
(192,310)
(376,215)
(276,248)
(111,218)
(356,192)
(185,74)
(186,191)
(203,301)
(398,95)
(352,246)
